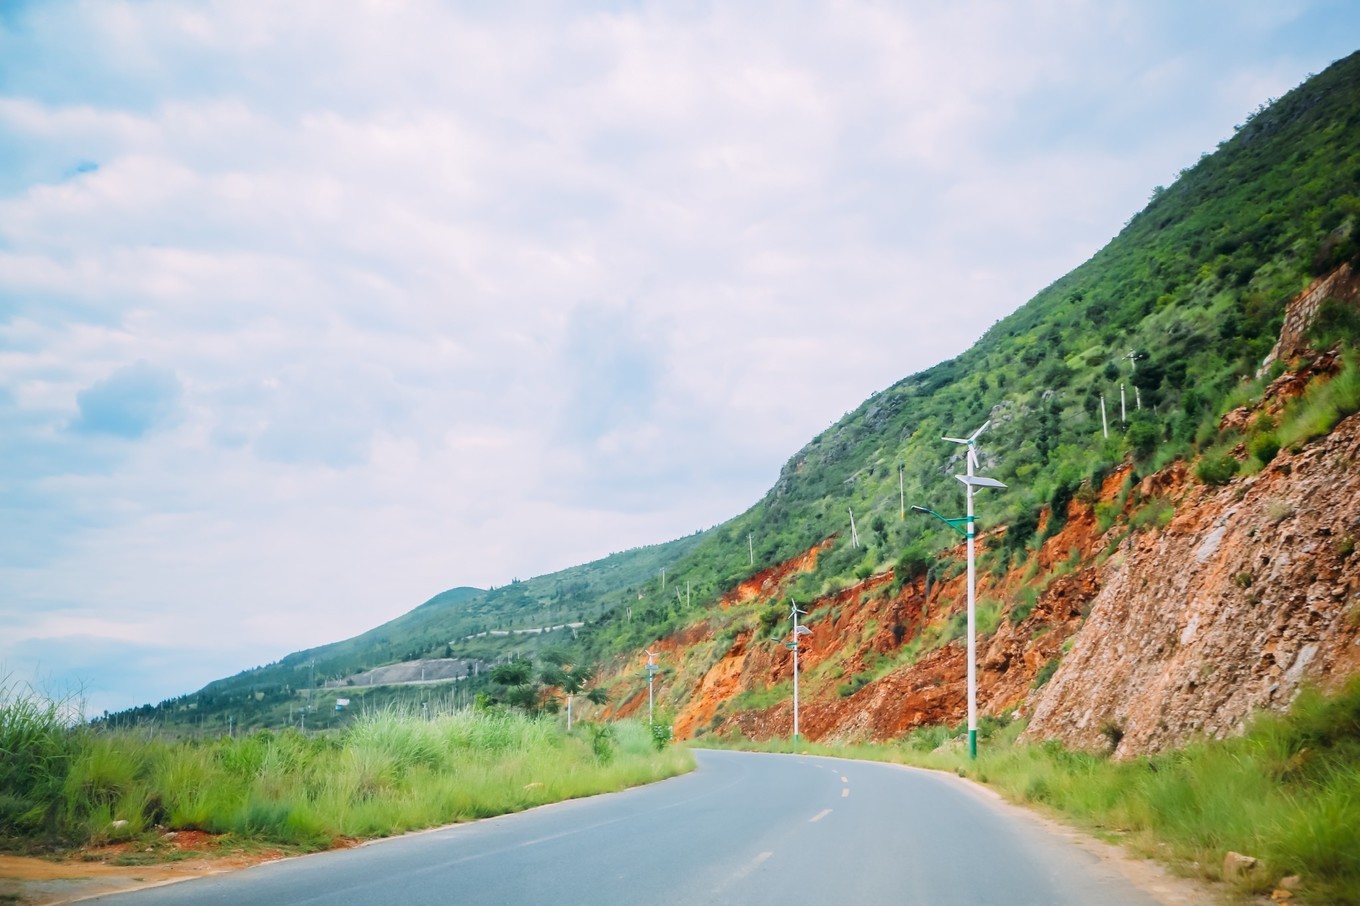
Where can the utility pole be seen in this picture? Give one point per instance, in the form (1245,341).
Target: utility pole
(854,535)
(1123,413)
(902,490)
(751,547)
(1104,425)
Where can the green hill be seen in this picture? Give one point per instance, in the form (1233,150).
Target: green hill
(482,626)
(1194,288)
(1180,309)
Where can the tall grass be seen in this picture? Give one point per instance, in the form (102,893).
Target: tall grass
(1325,403)
(35,754)
(392,771)
(1286,792)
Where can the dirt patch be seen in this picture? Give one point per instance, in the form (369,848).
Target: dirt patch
(119,867)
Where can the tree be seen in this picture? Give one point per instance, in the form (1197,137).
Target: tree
(571,679)
(1143,435)
(515,673)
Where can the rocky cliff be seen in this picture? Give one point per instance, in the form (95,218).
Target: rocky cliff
(1250,591)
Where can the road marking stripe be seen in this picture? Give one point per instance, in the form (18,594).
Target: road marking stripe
(746,869)
(820,815)
(845,792)
(844,779)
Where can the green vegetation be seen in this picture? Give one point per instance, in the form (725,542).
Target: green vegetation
(760,699)
(1285,792)
(389,772)
(1324,404)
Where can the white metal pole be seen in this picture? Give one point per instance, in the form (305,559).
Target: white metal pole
(902,490)
(972,618)
(1104,425)
(651,680)
(751,546)
(795,675)
(972,632)
(1123,413)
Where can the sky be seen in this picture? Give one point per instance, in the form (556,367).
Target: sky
(312,310)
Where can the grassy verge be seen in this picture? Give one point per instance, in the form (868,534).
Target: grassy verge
(392,771)
(1287,792)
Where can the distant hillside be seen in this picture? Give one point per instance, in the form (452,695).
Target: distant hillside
(469,624)
(1164,331)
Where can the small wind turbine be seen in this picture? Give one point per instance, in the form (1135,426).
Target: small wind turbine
(971,443)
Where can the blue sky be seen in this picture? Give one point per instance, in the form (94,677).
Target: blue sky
(307,316)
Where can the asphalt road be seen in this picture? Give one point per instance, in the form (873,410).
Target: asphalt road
(742,829)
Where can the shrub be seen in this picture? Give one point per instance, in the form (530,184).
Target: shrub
(1264,446)
(1336,323)
(1023,605)
(1045,673)
(601,741)
(1143,436)
(857,682)
(1216,470)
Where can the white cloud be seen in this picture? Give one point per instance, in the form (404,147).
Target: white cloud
(453,295)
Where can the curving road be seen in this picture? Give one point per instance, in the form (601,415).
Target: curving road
(742,829)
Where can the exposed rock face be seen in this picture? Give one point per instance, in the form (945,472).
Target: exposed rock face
(1250,591)
(1342,284)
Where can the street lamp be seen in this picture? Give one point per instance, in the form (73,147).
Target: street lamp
(798,630)
(970,481)
(651,678)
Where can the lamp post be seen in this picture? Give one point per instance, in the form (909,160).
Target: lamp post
(651,678)
(970,481)
(799,630)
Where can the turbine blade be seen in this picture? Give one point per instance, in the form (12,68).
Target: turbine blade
(972,437)
(956,440)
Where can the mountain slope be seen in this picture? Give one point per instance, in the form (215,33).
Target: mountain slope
(1174,317)
(1180,310)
